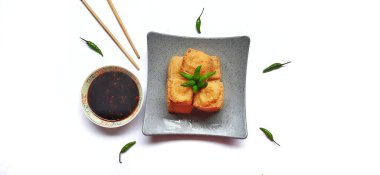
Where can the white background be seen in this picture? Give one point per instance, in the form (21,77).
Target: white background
(323,108)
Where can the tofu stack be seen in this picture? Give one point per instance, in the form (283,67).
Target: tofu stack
(181,99)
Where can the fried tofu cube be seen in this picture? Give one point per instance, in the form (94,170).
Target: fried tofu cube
(179,98)
(194,58)
(210,98)
(217,68)
(174,67)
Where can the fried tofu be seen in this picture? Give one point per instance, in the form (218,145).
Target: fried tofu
(182,99)
(193,58)
(211,98)
(217,68)
(179,98)
(175,67)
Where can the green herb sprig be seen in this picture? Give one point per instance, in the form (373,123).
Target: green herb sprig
(275,66)
(269,135)
(126,148)
(187,76)
(199,22)
(93,46)
(196,81)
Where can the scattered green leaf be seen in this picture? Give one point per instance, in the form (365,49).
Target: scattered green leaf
(199,22)
(126,148)
(93,46)
(274,66)
(269,135)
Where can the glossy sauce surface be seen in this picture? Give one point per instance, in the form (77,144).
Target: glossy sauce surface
(113,96)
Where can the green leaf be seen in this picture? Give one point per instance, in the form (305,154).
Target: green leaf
(206,76)
(274,66)
(199,22)
(126,148)
(196,81)
(186,75)
(189,83)
(197,73)
(195,88)
(202,84)
(269,135)
(93,46)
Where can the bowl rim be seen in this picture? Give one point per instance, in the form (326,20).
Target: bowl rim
(91,115)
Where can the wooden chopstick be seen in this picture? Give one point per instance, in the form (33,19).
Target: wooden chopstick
(123,27)
(111,35)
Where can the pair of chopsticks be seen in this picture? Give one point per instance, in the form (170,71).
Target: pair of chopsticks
(112,36)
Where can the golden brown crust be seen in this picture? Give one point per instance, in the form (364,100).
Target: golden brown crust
(179,108)
(217,68)
(211,98)
(179,98)
(174,67)
(193,58)
(178,93)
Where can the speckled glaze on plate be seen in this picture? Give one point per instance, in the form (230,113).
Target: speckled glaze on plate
(230,121)
(91,115)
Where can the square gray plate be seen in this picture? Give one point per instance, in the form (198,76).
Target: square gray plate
(230,121)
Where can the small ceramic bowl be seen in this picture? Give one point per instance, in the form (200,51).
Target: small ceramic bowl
(96,118)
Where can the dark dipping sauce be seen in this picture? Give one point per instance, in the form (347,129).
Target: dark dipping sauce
(113,96)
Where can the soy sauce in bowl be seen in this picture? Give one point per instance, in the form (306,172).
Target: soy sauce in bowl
(111,96)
